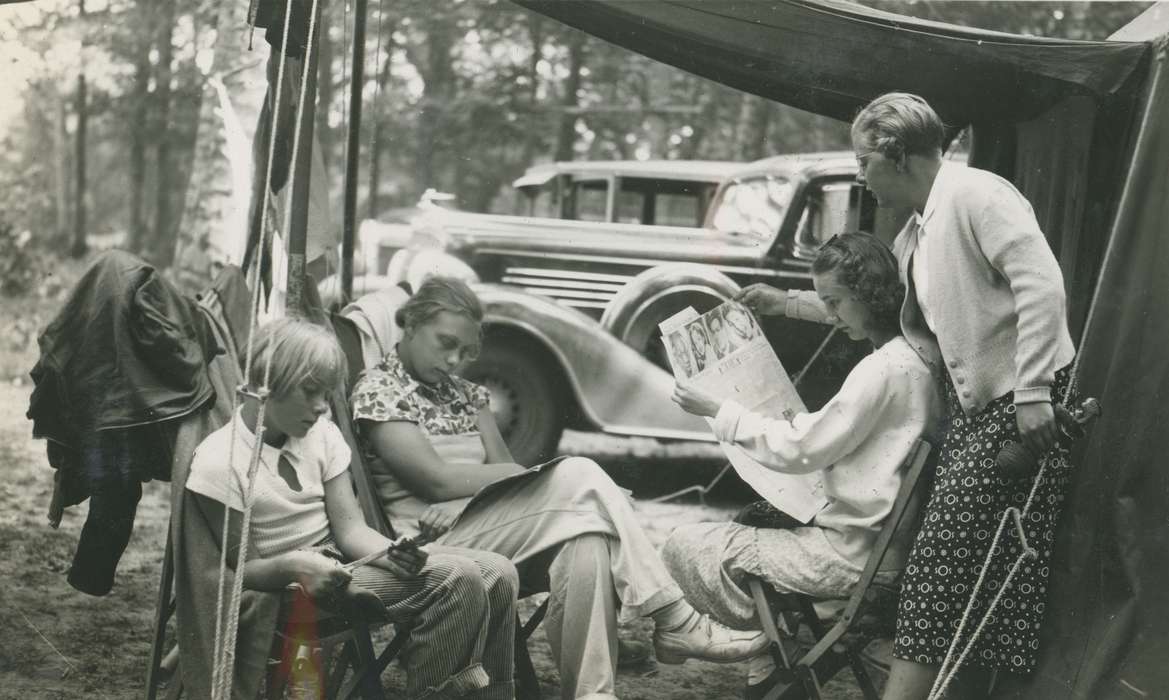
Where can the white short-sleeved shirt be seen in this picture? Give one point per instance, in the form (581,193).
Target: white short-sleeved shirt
(283,519)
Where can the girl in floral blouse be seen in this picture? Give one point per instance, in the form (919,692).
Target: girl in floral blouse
(443,469)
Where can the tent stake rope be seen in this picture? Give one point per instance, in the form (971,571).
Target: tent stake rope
(226,633)
(1105,266)
(951,665)
(944,679)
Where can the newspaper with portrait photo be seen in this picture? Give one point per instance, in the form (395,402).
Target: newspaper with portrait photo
(725,353)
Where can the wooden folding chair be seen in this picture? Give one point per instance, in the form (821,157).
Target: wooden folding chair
(808,652)
(306,640)
(356,670)
(527,683)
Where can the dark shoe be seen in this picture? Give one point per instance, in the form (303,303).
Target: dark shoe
(702,638)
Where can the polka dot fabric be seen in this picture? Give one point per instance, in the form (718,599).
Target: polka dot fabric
(969,496)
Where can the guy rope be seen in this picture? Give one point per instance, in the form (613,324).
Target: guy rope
(1066,418)
(226,630)
(951,664)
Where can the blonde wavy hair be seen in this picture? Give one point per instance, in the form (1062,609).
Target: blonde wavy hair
(302,354)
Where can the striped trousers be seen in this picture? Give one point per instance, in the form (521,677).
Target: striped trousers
(461,609)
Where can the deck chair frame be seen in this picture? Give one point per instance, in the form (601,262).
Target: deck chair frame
(355,639)
(526,680)
(357,644)
(356,675)
(358,649)
(803,669)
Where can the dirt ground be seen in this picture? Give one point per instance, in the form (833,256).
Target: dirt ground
(59,643)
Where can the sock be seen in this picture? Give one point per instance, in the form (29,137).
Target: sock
(673,616)
(759,668)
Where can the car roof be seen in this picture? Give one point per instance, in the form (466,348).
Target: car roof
(696,170)
(820,161)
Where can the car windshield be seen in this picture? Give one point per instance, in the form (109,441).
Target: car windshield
(753,207)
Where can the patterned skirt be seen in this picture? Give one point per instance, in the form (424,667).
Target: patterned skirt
(970,494)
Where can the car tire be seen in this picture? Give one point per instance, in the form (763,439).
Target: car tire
(526,398)
(643,334)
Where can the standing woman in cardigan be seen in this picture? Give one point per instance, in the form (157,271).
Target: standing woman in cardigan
(985,307)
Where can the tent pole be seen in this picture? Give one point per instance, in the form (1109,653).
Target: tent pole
(353,150)
(302,170)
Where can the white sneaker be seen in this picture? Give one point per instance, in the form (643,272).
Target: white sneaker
(702,638)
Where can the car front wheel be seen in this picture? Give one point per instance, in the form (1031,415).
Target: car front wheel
(526,399)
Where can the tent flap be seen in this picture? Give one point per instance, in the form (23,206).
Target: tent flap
(1105,634)
(833,57)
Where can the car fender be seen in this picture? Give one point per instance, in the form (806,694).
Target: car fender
(645,301)
(616,389)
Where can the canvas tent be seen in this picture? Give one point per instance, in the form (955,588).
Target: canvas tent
(1083,129)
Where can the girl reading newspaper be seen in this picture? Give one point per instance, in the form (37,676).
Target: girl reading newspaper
(857,440)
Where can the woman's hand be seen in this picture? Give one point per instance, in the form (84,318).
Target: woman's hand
(1037,426)
(695,400)
(763,299)
(439,518)
(320,576)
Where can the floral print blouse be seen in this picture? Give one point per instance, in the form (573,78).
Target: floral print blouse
(386,392)
(446,413)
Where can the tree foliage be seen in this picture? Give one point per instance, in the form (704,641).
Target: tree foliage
(460,96)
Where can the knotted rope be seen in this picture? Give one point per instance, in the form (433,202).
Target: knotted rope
(226,631)
(951,665)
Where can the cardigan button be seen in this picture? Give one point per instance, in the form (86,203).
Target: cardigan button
(961,380)
(953,364)
(966,394)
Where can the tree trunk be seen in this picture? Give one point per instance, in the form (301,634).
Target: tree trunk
(754,135)
(700,94)
(162,244)
(532,137)
(439,87)
(138,131)
(566,134)
(326,89)
(61,169)
(377,143)
(79,246)
(736,110)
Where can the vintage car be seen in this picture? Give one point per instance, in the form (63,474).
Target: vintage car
(573,307)
(666,192)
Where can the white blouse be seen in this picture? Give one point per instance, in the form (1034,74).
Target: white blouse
(859,439)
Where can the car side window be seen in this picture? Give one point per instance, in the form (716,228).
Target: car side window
(538,201)
(662,202)
(679,209)
(631,206)
(591,198)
